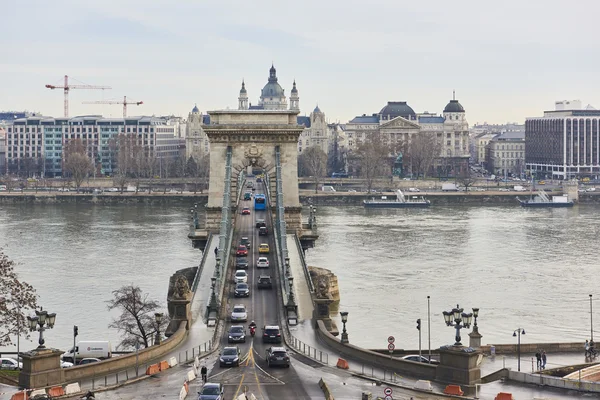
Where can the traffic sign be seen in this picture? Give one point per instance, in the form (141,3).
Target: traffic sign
(388,398)
(387,391)
(391,339)
(391,347)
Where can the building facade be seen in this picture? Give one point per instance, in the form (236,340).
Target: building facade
(480,146)
(35,144)
(564,143)
(316,131)
(2,151)
(197,144)
(506,154)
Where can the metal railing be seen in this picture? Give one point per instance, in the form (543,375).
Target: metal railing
(304,265)
(280,226)
(190,354)
(309,351)
(200,268)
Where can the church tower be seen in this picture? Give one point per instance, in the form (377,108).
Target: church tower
(294,99)
(243,99)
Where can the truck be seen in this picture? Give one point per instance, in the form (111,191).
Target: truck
(449,187)
(88,349)
(519,188)
(328,189)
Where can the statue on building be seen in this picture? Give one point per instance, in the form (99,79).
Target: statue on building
(398,169)
(182,287)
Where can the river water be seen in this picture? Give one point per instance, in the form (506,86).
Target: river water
(523,268)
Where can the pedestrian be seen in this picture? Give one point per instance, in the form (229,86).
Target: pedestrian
(216,251)
(587,348)
(538,357)
(203,372)
(543,359)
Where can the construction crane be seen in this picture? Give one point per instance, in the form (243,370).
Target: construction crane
(66,87)
(124,102)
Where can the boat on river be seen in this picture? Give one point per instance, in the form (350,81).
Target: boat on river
(542,200)
(401,201)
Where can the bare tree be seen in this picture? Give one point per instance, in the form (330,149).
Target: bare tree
(466,178)
(77,162)
(125,149)
(423,149)
(17,299)
(136,322)
(314,163)
(371,154)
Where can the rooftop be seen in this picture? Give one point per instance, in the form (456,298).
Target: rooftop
(515,135)
(366,119)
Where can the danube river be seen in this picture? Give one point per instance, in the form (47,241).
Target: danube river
(531,269)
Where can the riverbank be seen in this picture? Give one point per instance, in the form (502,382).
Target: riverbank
(307,197)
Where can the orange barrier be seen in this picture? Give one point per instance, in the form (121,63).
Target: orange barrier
(56,391)
(163,365)
(341,363)
(186,387)
(20,396)
(153,369)
(504,396)
(454,390)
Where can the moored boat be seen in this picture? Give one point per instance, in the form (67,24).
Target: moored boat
(401,201)
(542,200)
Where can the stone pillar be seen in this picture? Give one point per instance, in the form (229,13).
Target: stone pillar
(459,365)
(213,219)
(475,338)
(41,367)
(321,311)
(178,303)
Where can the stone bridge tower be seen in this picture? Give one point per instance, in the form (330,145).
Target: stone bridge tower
(253,135)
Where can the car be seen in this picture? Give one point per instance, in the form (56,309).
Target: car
(271,334)
(236,334)
(211,391)
(250,185)
(259,179)
(241,263)
(413,189)
(240,276)
(239,313)
(65,364)
(248,196)
(263,231)
(241,290)
(260,222)
(541,182)
(263,248)
(504,190)
(262,262)
(416,358)
(244,241)
(277,356)
(245,211)
(230,356)
(86,361)
(593,189)
(242,251)
(264,282)
(10,364)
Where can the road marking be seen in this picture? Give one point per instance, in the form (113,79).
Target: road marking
(239,386)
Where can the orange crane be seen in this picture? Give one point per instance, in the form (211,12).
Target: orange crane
(66,87)
(124,102)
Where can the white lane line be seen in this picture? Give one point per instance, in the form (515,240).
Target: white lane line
(268,374)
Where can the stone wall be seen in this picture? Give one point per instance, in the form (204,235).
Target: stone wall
(103,199)
(534,347)
(334,289)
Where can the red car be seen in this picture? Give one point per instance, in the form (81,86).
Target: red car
(242,251)
(245,211)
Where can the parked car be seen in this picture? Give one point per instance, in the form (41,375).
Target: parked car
(264,282)
(86,361)
(241,290)
(263,248)
(241,263)
(239,313)
(417,358)
(211,391)
(10,364)
(241,276)
(413,189)
(277,356)
(271,334)
(262,262)
(236,334)
(242,251)
(245,241)
(65,364)
(245,211)
(260,222)
(230,357)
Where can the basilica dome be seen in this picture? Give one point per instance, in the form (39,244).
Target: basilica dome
(272,88)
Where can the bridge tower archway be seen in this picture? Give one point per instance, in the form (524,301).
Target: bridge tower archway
(253,136)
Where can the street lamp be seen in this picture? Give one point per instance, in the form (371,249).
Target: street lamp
(158,318)
(45,321)
(475,315)
(344,315)
(458,320)
(213,297)
(519,331)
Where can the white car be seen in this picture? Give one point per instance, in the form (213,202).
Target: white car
(10,364)
(413,190)
(241,276)
(239,313)
(65,364)
(262,262)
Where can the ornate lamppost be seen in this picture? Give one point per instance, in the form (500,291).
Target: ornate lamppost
(344,315)
(158,318)
(458,320)
(518,332)
(45,321)
(475,336)
(213,297)
(291,300)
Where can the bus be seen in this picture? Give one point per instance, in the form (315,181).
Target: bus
(339,175)
(260,202)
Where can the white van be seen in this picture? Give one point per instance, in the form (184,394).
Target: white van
(327,189)
(89,349)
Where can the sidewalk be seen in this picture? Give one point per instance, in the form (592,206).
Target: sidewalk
(301,288)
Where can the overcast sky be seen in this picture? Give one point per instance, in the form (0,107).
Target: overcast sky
(507,60)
